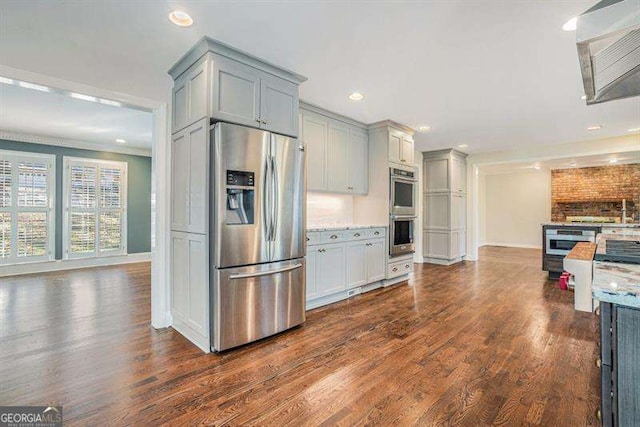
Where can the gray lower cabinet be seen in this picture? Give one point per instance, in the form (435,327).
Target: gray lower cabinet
(620,365)
(190,286)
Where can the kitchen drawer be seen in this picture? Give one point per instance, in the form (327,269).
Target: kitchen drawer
(313,238)
(375,233)
(334,236)
(357,234)
(399,268)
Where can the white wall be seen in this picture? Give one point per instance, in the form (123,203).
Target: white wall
(515,205)
(482,209)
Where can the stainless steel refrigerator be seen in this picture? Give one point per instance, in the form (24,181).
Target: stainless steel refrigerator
(257,235)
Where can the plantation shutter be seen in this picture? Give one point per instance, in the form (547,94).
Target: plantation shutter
(96,217)
(26,207)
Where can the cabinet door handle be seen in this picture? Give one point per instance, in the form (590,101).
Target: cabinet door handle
(258,120)
(403,160)
(320,250)
(308,239)
(376,233)
(333,236)
(598,362)
(356,235)
(599,414)
(394,269)
(406,266)
(264,122)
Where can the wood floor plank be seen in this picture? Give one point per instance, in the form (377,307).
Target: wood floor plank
(474,344)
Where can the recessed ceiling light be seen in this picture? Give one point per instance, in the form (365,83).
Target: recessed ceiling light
(180,18)
(597,127)
(121,141)
(424,128)
(634,130)
(356,96)
(6,80)
(33,86)
(583,97)
(613,160)
(536,167)
(463,146)
(571,24)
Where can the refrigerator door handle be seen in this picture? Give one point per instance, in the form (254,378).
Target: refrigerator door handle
(275,195)
(266,203)
(265,273)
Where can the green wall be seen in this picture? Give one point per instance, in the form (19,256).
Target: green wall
(138,190)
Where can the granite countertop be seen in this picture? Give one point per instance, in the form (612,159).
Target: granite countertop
(342,227)
(593,224)
(582,251)
(617,283)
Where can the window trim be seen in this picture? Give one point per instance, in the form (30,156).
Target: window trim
(66,227)
(50,159)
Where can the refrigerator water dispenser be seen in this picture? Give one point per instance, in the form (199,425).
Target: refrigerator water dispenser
(240,197)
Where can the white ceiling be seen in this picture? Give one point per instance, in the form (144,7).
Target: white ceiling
(491,74)
(562,163)
(29,111)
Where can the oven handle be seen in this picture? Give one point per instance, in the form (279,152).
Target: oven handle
(403,217)
(403,179)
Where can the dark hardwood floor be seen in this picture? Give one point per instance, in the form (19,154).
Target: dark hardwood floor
(485,343)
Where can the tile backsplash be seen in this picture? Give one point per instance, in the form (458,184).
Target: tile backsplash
(329,209)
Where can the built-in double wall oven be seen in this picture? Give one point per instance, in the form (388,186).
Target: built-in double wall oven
(403,189)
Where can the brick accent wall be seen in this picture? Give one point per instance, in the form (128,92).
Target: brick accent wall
(595,191)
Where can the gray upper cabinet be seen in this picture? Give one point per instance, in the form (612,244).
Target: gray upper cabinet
(189,98)
(235,93)
(217,81)
(315,134)
(337,153)
(358,156)
(278,105)
(337,158)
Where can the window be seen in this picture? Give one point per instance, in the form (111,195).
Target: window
(26,207)
(95,208)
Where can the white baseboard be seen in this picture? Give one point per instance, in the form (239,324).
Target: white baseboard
(71,264)
(342,295)
(438,261)
(396,280)
(513,245)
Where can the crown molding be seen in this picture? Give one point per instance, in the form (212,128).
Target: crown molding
(392,124)
(207,44)
(72,143)
(307,106)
